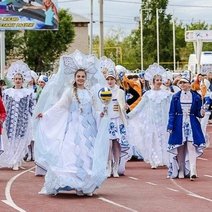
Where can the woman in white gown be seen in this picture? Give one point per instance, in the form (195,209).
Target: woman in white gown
(148,122)
(68,144)
(17,129)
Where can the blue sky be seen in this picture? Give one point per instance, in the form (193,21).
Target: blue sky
(120,15)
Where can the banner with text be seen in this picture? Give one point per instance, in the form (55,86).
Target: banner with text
(28,15)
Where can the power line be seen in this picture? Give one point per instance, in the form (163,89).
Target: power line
(117,22)
(121,1)
(68,1)
(195,6)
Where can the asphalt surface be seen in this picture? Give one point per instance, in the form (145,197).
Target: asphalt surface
(141,189)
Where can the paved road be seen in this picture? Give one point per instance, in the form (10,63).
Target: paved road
(141,189)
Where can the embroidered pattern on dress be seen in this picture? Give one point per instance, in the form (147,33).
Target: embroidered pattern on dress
(112,129)
(17,116)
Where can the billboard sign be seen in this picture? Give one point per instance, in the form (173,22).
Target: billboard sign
(28,15)
(194,35)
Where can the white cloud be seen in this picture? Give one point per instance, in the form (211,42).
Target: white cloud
(201,10)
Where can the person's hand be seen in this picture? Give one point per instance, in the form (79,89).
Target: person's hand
(40,115)
(126,107)
(169,131)
(202,112)
(102,114)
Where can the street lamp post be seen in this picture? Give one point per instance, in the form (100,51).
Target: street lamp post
(142,36)
(141,29)
(158,38)
(91,29)
(158,41)
(157,30)
(174,44)
(2,52)
(101,38)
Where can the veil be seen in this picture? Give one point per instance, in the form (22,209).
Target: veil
(64,78)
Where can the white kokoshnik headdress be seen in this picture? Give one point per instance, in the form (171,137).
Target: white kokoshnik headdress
(34,75)
(167,75)
(19,67)
(63,79)
(107,67)
(153,70)
(77,60)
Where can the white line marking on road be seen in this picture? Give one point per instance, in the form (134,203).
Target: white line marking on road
(9,201)
(151,183)
(116,204)
(207,175)
(133,178)
(23,168)
(202,159)
(190,193)
(32,172)
(171,189)
(200,197)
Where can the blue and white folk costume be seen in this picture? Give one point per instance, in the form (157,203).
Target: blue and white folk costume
(76,156)
(117,126)
(17,128)
(17,133)
(186,133)
(147,127)
(68,143)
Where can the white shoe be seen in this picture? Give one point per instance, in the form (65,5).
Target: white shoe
(80,193)
(89,194)
(42,191)
(181,174)
(109,168)
(15,167)
(153,167)
(115,170)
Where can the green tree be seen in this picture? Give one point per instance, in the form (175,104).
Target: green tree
(150,32)
(12,43)
(42,48)
(132,50)
(112,45)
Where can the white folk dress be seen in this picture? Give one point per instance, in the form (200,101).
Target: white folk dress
(17,129)
(69,146)
(117,126)
(148,127)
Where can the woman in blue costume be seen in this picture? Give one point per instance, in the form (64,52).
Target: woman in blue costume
(186,141)
(68,143)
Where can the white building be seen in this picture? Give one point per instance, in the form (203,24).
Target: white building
(81,40)
(205,62)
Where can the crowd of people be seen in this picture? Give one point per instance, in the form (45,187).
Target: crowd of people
(78,140)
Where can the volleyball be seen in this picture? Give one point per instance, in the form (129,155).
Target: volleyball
(105,94)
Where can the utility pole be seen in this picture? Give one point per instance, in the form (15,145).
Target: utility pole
(2,52)
(91,29)
(174,44)
(158,42)
(142,42)
(101,37)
